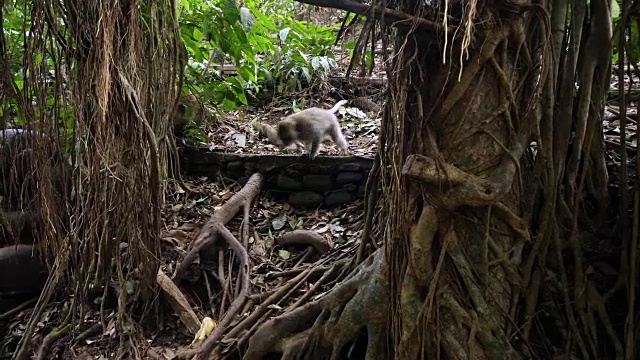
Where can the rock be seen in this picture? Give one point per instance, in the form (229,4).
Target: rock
(351,167)
(235,166)
(361,190)
(338,197)
(349,177)
(309,167)
(350,188)
(305,199)
(250,166)
(267,167)
(285,182)
(320,183)
(22,272)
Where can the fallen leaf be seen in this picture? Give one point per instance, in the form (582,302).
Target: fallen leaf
(240,139)
(279,222)
(169,354)
(355,112)
(284,254)
(187,227)
(206,327)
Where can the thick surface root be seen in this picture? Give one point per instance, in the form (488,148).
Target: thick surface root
(328,328)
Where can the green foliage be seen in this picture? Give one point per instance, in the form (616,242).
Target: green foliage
(633,46)
(13,32)
(270,51)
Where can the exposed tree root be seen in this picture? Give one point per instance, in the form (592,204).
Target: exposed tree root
(213,228)
(54,335)
(209,233)
(281,294)
(325,328)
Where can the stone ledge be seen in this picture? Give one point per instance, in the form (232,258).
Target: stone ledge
(326,180)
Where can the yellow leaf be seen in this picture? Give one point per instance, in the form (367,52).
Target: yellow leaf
(206,327)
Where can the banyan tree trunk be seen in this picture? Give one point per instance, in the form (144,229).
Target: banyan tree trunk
(457,224)
(471,211)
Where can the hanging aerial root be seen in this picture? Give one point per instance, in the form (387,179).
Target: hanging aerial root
(324,328)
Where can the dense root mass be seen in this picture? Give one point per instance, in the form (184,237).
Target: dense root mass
(351,317)
(100,116)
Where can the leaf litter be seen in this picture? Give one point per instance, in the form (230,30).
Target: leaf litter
(270,263)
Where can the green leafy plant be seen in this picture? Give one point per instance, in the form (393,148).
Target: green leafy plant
(269,50)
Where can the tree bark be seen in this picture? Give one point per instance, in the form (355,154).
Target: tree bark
(471,213)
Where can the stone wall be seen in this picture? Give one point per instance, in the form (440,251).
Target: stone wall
(325,181)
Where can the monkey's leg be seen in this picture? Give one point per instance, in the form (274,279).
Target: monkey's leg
(315,145)
(338,138)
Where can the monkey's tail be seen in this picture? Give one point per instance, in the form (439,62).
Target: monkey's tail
(337,106)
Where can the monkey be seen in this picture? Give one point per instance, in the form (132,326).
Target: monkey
(307,129)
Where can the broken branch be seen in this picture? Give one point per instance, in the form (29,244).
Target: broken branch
(178,302)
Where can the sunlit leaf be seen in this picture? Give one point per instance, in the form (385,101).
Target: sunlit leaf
(283,34)
(615,9)
(247,18)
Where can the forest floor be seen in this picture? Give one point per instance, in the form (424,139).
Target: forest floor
(271,265)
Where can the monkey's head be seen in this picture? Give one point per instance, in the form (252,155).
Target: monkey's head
(286,132)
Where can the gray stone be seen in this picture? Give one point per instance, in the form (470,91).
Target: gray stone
(361,190)
(250,166)
(320,183)
(305,199)
(309,167)
(267,167)
(285,182)
(235,166)
(350,188)
(338,197)
(349,177)
(350,167)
